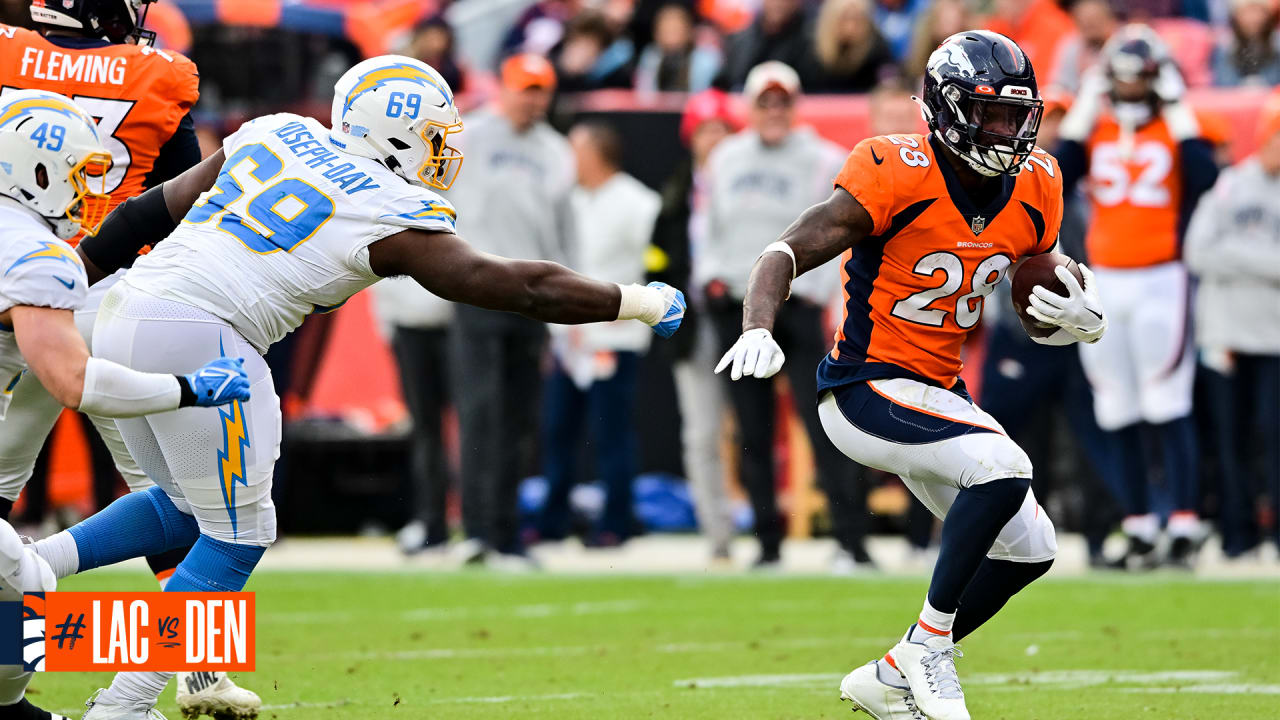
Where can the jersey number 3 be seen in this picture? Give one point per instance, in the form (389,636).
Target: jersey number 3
(968,307)
(276,216)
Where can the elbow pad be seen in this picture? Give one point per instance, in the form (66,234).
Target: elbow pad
(137,222)
(112,390)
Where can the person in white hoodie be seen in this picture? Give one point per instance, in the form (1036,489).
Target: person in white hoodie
(592,386)
(1233,248)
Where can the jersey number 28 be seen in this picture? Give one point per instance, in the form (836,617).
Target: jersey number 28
(968,307)
(265,217)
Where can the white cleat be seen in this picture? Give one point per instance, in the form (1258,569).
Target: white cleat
(214,694)
(928,663)
(100,709)
(881,700)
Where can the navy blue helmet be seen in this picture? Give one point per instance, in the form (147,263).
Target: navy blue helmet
(115,20)
(982,102)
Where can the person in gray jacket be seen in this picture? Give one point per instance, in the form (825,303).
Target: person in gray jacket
(759,180)
(1233,247)
(514,202)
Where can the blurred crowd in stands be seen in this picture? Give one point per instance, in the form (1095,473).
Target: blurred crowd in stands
(558,190)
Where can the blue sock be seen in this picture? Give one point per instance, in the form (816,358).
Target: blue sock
(1179,451)
(972,524)
(991,587)
(215,566)
(1127,470)
(138,524)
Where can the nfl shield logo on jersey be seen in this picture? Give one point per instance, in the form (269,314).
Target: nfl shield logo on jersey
(977,224)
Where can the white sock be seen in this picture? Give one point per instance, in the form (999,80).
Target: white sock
(935,621)
(136,690)
(889,674)
(1144,527)
(60,552)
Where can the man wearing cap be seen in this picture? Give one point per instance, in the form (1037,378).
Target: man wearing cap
(759,180)
(679,240)
(1233,248)
(513,202)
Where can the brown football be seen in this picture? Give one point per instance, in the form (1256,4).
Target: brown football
(1038,270)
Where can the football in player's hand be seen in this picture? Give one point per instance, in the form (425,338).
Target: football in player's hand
(1038,270)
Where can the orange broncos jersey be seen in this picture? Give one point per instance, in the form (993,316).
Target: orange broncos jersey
(1136,191)
(137,94)
(914,289)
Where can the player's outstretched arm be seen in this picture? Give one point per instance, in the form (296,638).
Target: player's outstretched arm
(819,234)
(57,355)
(146,219)
(453,270)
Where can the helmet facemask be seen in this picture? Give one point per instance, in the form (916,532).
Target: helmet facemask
(995,135)
(89,178)
(440,168)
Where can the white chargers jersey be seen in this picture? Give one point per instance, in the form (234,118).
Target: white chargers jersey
(285,230)
(39,270)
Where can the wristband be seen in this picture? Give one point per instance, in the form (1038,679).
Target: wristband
(186,395)
(641,303)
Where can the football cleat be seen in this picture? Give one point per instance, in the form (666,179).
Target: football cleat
(928,662)
(214,694)
(881,700)
(100,709)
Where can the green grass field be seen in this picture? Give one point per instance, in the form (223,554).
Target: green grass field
(479,645)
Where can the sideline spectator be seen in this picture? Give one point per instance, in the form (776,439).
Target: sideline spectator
(514,203)
(760,180)
(779,32)
(1233,247)
(540,27)
(896,20)
(1250,55)
(852,55)
(937,23)
(593,381)
(1036,25)
(674,61)
(680,235)
(1095,21)
(417,324)
(593,56)
(432,42)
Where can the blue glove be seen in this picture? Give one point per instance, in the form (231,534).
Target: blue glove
(674,314)
(219,382)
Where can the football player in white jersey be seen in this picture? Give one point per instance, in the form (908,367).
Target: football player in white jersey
(289,218)
(52,158)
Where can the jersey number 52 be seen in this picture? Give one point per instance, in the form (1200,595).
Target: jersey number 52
(265,217)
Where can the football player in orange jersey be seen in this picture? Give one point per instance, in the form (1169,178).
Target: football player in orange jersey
(97,53)
(928,225)
(1146,165)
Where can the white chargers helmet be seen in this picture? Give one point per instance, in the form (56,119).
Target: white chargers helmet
(53,161)
(400,112)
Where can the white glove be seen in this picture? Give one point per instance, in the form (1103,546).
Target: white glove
(1169,85)
(755,354)
(1083,115)
(1079,313)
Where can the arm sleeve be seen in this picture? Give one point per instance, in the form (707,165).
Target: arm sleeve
(181,151)
(869,182)
(137,222)
(1073,160)
(1199,173)
(115,391)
